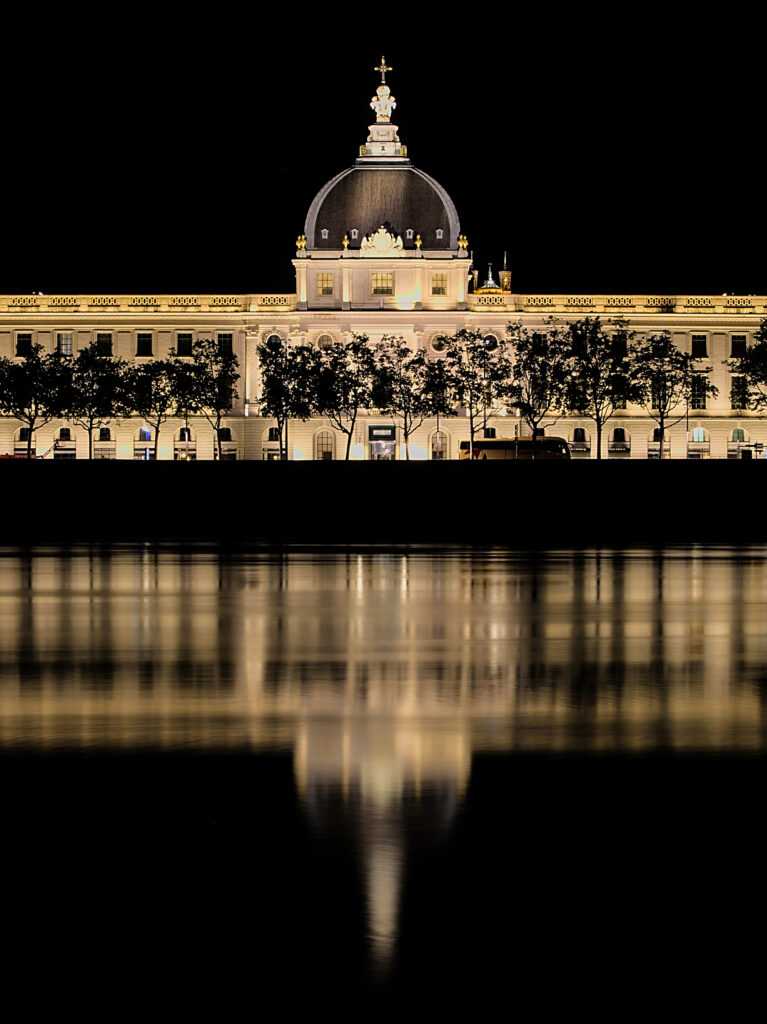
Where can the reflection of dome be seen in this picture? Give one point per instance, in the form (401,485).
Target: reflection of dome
(362,198)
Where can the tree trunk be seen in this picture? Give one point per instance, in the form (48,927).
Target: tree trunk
(407,445)
(352,424)
(90,442)
(599,439)
(29,442)
(156,439)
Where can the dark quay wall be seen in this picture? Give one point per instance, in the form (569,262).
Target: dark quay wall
(520,505)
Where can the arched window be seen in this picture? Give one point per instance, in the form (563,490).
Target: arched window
(440,445)
(105,434)
(324,341)
(144,434)
(738,434)
(274,339)
(324,446)
(185,434)
(655,434)
(491,342)
(579,435)
(23,434)
(619,435)
(272,434)
(225,433)
(699,435)
(65,434)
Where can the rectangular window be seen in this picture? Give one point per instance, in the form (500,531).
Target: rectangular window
(738,347)
(738,393)
(699,346)
(619,346)
(324,284)
(183,344)
(104,344)
(382,283)
(143,344)
(64,343)
(439,284)
(225,344)
(698,393)
(23,344)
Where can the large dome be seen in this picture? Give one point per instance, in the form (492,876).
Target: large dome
(362,198)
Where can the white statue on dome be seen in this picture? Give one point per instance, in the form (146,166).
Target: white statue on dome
(383,103)
(381,243)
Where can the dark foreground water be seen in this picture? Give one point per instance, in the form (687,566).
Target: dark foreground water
(254,785)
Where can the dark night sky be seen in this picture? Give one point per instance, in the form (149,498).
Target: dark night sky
(171,152)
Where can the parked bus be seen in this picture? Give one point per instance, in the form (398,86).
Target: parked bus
(515,448)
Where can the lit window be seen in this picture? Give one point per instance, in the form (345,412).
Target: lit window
(324,341)
(738,434)
(104,344)
(324,284)
(698,435)
(439,445)
(699,346)
(23,344)
(323,446)
(225,342)
(382,284)
(439,284)
(184,344)
(64,343)
(143,344)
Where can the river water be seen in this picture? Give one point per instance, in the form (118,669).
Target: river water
(448,781)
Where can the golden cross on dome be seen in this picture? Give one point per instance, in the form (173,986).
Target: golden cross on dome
(383,69)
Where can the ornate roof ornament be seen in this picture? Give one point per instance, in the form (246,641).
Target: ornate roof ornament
(383,103)
(381,243)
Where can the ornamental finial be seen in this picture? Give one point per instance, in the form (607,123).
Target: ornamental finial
(463,242)
(382,67)
(301,242)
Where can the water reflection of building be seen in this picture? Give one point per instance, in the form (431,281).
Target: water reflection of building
(592,651)
(383,674)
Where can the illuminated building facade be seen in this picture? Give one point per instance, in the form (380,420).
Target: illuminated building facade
(381,253)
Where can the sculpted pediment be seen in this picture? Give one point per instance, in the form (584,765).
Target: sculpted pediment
(381,243)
